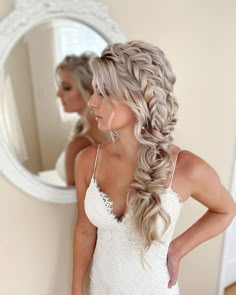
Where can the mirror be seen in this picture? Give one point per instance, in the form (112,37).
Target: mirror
(35,127)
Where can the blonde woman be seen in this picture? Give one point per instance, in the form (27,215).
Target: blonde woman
(74,78)
(130,191)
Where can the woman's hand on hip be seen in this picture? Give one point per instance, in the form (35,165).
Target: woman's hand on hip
(173,260)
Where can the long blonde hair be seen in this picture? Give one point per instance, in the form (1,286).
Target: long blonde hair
(145,76)
(79,67)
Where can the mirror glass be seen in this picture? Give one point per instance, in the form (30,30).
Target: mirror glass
(35,125)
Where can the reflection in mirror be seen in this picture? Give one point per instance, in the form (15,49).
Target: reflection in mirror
(74,77)
(37,124)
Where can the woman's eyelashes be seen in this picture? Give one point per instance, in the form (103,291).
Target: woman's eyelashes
(66,88)
(99,93)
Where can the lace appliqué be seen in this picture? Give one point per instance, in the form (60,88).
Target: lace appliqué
(107,201)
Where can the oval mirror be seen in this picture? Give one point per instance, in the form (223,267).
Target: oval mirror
(34,126)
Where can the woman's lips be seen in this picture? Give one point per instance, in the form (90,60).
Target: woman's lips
(98,118)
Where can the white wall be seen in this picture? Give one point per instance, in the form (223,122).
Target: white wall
(17,66)
(198,38)
(53,132)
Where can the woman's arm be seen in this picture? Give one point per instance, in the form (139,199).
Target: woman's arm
(85,235)
(207,189)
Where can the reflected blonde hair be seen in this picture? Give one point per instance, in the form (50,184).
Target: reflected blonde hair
(146,79)
(79,67)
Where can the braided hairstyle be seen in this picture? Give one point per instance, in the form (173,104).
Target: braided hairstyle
(145,77)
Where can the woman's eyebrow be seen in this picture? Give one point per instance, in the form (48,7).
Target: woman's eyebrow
(106,91)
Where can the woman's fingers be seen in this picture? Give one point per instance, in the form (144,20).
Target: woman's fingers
(173,266)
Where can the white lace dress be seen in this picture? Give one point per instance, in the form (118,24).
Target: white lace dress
(116,266)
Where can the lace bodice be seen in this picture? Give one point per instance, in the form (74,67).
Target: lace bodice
(116,265)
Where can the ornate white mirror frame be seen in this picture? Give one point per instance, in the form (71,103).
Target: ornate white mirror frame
(26,15)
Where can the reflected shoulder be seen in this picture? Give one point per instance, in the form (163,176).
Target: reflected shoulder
(77,144)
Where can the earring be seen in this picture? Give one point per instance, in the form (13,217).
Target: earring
(143,128)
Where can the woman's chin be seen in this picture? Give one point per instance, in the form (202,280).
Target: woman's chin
(69,110)
(102,128)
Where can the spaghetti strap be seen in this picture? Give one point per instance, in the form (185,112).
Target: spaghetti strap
(173,171)
(95,163)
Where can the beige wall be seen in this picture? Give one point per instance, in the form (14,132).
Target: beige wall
(197,36)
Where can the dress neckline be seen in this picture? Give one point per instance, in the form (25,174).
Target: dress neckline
(110,202)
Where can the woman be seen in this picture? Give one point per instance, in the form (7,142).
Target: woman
(74,90)
(128,209)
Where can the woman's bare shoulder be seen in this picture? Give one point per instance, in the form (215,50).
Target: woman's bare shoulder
(78,143)
(205,183)
(191,162)
(193,173)
(196,170)
(85,160)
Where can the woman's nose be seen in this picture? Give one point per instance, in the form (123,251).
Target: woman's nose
(92,102)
